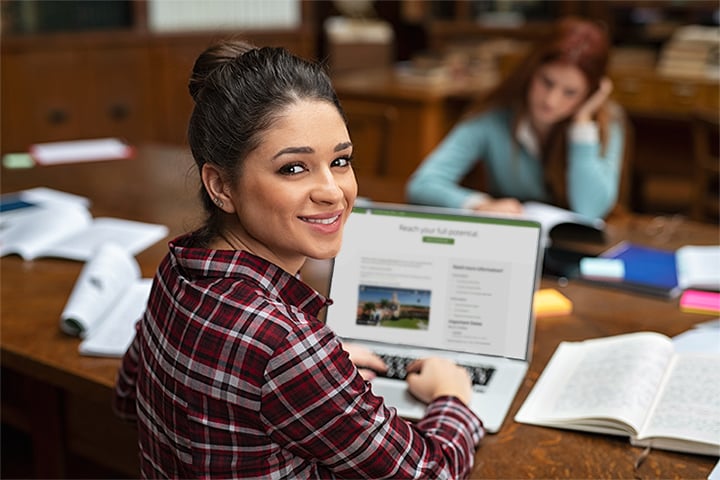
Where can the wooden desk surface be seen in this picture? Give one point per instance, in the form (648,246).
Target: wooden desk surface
(160,186)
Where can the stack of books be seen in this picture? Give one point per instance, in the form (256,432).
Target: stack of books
(693,52)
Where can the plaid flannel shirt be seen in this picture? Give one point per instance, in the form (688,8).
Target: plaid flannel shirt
(232,375)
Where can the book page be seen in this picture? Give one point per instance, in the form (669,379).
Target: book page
(113,335)
(45,195)
(607,378)
(30,233)
(102,281)
(133,236)
(689,405)
(550,216)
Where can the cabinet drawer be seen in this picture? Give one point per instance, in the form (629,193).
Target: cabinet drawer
(120,86)
(634,92)
(678,96)
(65,94)
(42,98)
(711,97)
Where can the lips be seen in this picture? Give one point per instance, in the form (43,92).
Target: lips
(321,221)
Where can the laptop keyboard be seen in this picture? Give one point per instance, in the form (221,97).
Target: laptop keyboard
(397,369)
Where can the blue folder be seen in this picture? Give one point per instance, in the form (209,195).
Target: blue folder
(647,270)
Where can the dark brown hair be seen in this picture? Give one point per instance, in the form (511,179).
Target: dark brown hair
(239,90)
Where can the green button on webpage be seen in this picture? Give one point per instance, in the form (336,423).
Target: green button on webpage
(445,240)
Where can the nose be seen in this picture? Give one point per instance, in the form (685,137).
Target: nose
(553,97)
(326,188)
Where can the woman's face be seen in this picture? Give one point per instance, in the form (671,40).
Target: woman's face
(556,92)
(296,190)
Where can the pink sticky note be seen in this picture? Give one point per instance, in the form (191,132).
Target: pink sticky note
(700,301)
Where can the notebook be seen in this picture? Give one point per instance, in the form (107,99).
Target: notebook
(414,282)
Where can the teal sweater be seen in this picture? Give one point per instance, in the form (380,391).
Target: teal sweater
(592,179)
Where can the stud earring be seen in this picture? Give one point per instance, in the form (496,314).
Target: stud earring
(218,202)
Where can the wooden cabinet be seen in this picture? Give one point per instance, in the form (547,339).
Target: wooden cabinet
(127,85)
(173,57)
(82,71)
(646,92)
(59,93)
(120,86)
(40,97)
(395,125)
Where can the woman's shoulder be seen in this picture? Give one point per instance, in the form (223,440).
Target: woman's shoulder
(491,117)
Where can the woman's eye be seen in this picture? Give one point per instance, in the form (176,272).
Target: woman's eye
(342,161)
(292,169)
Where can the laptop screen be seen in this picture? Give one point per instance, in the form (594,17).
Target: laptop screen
(436,278)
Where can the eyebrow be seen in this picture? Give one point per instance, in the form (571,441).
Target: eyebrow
(290,150)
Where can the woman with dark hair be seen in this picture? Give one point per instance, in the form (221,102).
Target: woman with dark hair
(547,132)
(231,374)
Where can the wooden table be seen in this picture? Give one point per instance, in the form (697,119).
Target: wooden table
(63,399)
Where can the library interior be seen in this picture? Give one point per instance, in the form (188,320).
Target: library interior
(406,72)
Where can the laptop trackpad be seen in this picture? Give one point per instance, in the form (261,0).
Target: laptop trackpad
(396,394)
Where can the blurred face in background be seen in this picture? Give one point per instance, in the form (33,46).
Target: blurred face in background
(556,91)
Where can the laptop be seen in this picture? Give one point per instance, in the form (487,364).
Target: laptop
(412,282)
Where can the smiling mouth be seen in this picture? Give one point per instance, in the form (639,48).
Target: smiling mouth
(321,221)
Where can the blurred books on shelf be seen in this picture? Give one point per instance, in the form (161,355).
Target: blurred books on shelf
(692,52)
(480,65)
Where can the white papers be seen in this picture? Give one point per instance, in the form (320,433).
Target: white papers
(54,153)
(715,474)
(108,298)
(44,195)
(702,338)
(101,283)
(113,336)
(56,224)
(698,267)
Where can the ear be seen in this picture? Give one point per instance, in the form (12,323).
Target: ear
(217,188)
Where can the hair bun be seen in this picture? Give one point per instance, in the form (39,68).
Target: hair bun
(214,57)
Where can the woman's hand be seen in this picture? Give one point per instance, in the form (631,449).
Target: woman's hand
(366,361)
(500,205)
(435,377)
(587,110)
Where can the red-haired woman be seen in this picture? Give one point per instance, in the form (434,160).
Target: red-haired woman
(546,133)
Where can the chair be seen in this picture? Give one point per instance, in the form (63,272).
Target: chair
(706,143)
(371,128)
(625,198)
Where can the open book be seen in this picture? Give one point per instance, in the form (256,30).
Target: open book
(108,298)
(65,229)
(633,385)
(560,224)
